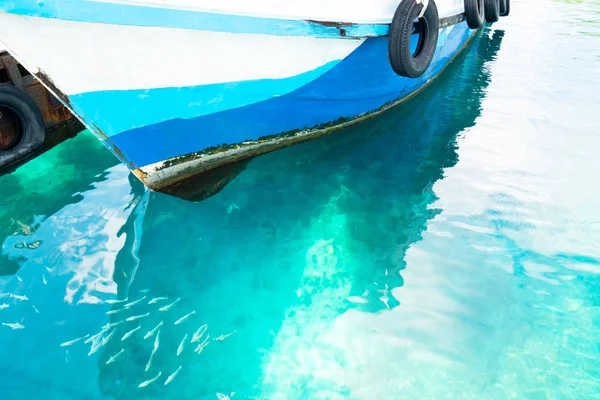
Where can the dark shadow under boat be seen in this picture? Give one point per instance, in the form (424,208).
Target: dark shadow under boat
(202,186)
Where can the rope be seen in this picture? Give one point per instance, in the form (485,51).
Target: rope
(425,5)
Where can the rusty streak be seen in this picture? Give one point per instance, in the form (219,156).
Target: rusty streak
(340,26)
(47,81)
(331,24)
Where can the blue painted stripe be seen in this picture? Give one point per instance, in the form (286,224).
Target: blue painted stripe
(151,106)
(161,16)
(362,83)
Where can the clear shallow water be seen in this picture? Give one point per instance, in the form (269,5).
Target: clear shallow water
(448,249)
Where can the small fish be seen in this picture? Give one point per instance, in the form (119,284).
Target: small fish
(133,318)
(223,337)
(150,381)
(95,337)
(117,301)
(222,396)
(108,326)
(173,375)
(36,310)
(44,281)
(149,363)
(134,302)
(107,338)
(154,349)
(34,245)
(200,349)
(19,278)
(71,342)
(168,307)
(199,333)
(114,311)
(113,358)
(186,316)
(131,332)
(156,342)
(20,298)
(232,207)
(203,345)
(157,299)
(27,230)
(181,345)
(14,326)
(96,345)
(153,331)
(3,306)
(144,290)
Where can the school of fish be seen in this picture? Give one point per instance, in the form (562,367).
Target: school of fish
(100,340)
(129,325)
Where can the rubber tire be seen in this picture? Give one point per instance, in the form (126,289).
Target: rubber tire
(32,123)
(400,56)
(492,11)
(475,13)
(505,8)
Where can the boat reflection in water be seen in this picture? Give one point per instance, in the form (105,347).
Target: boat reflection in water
(292,285)
(202,186)
(271,272)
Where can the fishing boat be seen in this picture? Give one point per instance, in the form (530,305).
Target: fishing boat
(175,88)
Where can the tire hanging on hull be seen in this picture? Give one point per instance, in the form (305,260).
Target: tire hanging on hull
(475,13)
(404,60)
(21,125)
(505,8)
(492,11)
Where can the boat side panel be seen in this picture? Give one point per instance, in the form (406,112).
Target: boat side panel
(86,57)
(362,83)
(124,110)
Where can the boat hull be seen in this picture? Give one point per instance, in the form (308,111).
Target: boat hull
(194,99)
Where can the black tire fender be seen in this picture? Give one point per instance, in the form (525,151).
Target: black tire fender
(505,8)
(475,13)
(404,62)
(30,120)
(492,10)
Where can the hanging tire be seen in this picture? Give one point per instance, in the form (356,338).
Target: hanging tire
(21,125)
(505,8)
(492,10)
(474,13)
(406,62)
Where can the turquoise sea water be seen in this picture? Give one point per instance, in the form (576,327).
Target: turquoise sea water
(449,249)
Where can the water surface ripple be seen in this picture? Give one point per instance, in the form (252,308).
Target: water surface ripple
(449,249)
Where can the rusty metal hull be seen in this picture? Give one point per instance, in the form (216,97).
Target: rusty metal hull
(53,111)
(59,123)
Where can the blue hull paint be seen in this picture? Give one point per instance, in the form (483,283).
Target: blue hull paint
(360,84)
(99,11)
(151,106)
